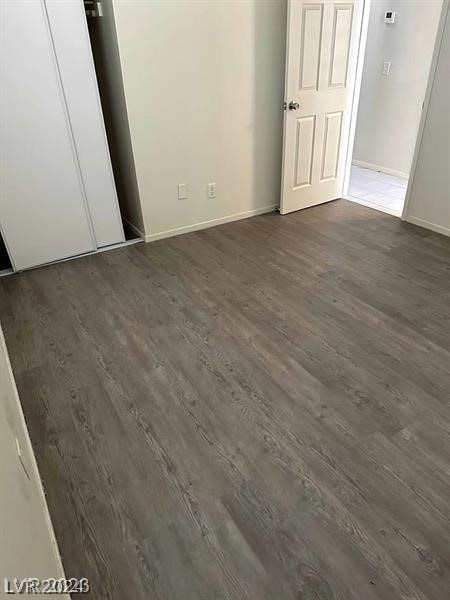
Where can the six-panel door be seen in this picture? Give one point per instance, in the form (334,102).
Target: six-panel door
(321,58)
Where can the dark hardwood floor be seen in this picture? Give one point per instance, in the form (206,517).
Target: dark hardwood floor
(255,411)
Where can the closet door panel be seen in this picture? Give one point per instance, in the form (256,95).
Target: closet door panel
(76,66)
(43,210)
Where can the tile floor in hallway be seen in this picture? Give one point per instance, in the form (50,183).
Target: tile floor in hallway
(384,192)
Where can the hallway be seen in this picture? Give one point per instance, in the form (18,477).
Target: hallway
(378,190)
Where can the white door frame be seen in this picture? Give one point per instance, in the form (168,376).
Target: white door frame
(432,74)
(357,91)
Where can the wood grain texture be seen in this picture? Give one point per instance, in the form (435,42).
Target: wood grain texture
(255,411)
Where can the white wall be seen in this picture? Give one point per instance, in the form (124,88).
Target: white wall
(204,85)
(27,544)
(429,199)
(390,107)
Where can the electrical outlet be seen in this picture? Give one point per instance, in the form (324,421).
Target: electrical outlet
(182,191)
(386,68)
(211,190)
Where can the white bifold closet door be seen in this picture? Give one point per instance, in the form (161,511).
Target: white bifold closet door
(57,195)
(76,67)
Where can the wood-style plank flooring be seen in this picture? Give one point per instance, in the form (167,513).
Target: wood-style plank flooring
(255,411)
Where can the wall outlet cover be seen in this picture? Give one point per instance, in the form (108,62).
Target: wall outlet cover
(182,191)
(211,190)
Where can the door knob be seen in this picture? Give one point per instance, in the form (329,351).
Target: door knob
(293,105)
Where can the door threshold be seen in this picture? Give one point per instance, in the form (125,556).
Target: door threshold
(378,207)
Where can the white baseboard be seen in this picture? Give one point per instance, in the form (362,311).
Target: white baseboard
(137,231)
(212,223)
(366,165)
(428,225)
(388,211)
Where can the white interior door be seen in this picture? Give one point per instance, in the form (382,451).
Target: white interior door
(43,211)
(321,57)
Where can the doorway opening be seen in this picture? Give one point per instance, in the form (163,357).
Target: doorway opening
(396,65)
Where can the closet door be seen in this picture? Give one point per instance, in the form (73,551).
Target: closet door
(76,67)
(43,211)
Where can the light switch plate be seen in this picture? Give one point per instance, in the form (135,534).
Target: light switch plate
(385,69)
